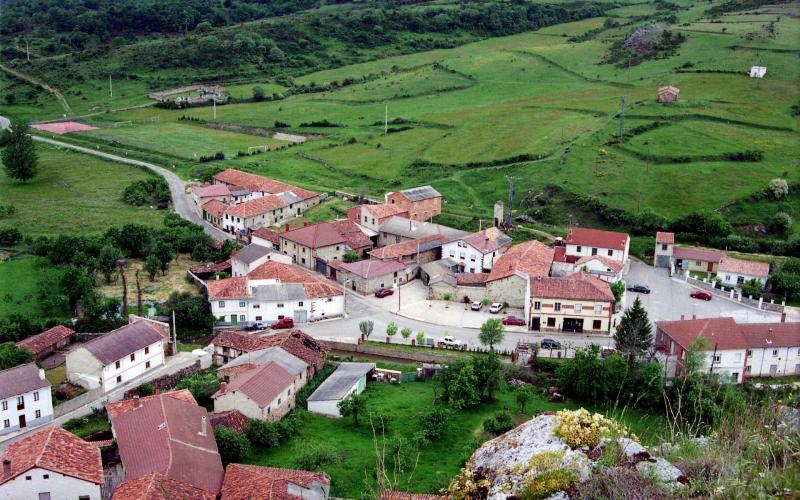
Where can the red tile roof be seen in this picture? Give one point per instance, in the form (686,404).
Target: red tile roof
(532,257)
(163,434)
(384,210)
(116,409)
(264,233)
(301,345)
(373,268)
(214,207)
(255,182)
(764,335)
(56,450)
(156,486)
(354,214)
(578,286)
(701,254)
(262,384)
(662,237)
(723,333)
(252,482)
(329,233)
(241,341)
(559,254)
(745,267)
(227,288)
(596,238)
(612,264)
(471,279)
(208,190)
(256,206)
(409,247)
(47,339)
(211,268)
(232,419)
(315,286)
(487,241)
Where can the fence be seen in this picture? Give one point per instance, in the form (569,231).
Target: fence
(736,294)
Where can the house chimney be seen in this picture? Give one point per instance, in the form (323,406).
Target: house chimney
(223,386)
(6,468)
(203,432)
(783,317)
(41,374)
(681,317)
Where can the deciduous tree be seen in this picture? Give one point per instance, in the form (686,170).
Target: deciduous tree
(19,155)
(491,333)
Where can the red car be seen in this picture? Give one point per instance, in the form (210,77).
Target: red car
(699,294)
(383,292)
(513,320)
(283,323)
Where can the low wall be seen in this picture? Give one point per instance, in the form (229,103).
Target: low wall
(166,382)
(737,295)
(428,356)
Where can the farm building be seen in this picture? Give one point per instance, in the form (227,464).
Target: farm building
(263,392)
(47,342)
(367,276)
(696,259)
(312,246)
(349,378)
(736,272)
(419,251)
(397,229)
(668,94)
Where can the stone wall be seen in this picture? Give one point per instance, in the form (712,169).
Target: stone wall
(427,356)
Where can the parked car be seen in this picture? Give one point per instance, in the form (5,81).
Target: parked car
(550,344)
(700,294)
(450,341)
(513,320)
(476,306)
(283,323)
(496,308)
(639,288)
(258,325)
(383,292)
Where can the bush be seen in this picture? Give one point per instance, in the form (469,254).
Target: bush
(499,424)
(153,191)
(202,385)
(262,434)
(618,483)
(579,428)
(433,422)
(233,447)
(314,457)
(778,188)
(10,236)
(146,389)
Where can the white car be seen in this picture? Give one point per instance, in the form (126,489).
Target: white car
(496,308)
(450,341)
(476,306)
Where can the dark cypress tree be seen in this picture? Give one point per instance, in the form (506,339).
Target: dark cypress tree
(634,335)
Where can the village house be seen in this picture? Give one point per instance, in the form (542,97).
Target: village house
(252,256)
(510,277)
(202,194)
(477,251)
(248,482)
(373,216)
(605,268)
(348,379)
(117,357)
(698,260)
(575,303)
(736,272)
(252,359)
(584,242)
(228,346)
(49,341)
(668,94)
(419,251)
(312,246)
(262,392)
(257,186)
(213,211)
(274,291)
(398,229)
(167,434)
(266,238)
(367,276)
(739,350)
(51,464)
(24,398)
(267,210)
(662,256)
(421,203)
(157,486)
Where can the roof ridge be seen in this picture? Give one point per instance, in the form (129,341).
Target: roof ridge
(46,444)
(166,426)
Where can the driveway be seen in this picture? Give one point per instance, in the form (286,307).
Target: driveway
(669,299)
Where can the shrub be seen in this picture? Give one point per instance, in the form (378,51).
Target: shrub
(499,424)
(153,191)
(315,456)
(778,188)
(10,236)
(146,389)
(233,447)
(280,124)
(466,485)
(262,434)
(579,428)
(434,422)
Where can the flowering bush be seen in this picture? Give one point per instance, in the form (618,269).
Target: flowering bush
(579,428)
(466,486)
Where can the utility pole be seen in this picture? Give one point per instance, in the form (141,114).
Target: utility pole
(621,118)
(386,118)
(214,98)
(110,88)
(511,193)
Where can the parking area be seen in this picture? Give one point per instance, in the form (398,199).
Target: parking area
(413,302)
(669,299)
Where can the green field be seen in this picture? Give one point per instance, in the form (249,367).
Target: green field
(352,449)
(19,277)
(73,193)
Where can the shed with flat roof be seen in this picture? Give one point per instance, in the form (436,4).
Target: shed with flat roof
(348,379)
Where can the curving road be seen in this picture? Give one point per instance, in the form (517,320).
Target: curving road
(177,186)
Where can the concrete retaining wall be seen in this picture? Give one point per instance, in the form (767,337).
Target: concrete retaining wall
(429,356)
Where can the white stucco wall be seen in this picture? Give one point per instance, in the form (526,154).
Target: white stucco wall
(773,361)
(732,279)
(59,486)
(130,369)
(34,401)
(583,250)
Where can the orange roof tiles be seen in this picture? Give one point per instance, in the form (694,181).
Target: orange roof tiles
(746,267)
(264,233)
(314,286)
(228,288)
(385,210)
(256,206)
(532,257)
(471,278)
(241,341)
(156,486)
(764,335)
(578,286)
(46,339)
(262,384)
(662,237)
(124,406)
(596,238)
(255,182)
(612,264)
(214,207)
(723,333)
(488,240)
(701,254)
(329,233)
(253,482)
(409,247)
(208,190)
(232,419)
(56,450)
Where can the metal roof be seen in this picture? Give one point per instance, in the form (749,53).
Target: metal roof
(278,292)
(287,361)
(420,193)
(251,253)
(338,385)
(415,229)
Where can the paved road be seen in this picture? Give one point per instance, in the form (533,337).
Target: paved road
(669,299)
(181,202)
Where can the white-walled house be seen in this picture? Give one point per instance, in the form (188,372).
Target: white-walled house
(52,464)
(263,392)
(252,256)
(348,379)
(736,272)
(773,349)
(117,357)
(273,291)
(477,251)
(584,242)
(24,398)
